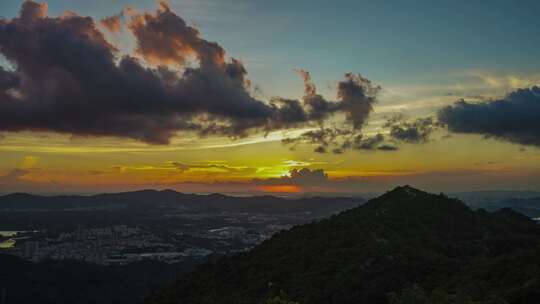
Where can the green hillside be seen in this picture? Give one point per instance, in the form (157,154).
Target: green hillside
(406,246)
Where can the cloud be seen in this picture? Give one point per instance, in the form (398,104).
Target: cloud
(165,38)
(319,107)
(298,177)
(214,167)
(73,84)
(496,81)
(322,137)
(387,148)
(8,80)
(13,176)
(368,143)
(69,79)
(173,168)
(513,118)
(113,23)
(17,176)
(181,166)
(417,131)
(356,97)
(29,162)
(300,181)
(339,140)
(320,149)
(31,11)
(218,178)
(374,142)
(31,180)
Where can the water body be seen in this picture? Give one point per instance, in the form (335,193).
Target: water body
(8,243)
(9,233)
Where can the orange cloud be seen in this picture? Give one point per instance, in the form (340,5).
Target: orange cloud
(112,23)
(32,11)
(165,38)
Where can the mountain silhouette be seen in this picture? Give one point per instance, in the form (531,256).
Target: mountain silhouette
(406,246)
(150,199)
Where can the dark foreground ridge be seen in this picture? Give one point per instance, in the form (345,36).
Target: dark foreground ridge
(74,282)
(406,246)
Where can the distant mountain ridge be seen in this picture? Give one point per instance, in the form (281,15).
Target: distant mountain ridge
(172,199)
(406,246)
(527,206)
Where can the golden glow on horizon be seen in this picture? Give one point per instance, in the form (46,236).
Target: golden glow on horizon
(216,168)
(281,189)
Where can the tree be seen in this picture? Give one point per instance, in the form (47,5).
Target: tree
(282,298)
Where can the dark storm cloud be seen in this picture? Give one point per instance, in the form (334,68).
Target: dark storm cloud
(514,118)
(387,148)
(340,140)
(362,142)
(356,96)
(417,131)
(319,107)
(323,137)
(320,149)
(8,80)
(69,82)
(368,143)
(68,79)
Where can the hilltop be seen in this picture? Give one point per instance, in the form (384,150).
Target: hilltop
(406,246)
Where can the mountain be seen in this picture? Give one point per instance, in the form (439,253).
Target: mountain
(526,202)
(145,199)
(406,246)
(53,282)
(527,206)
(493,195)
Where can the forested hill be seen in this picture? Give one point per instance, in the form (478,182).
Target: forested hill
(406,246)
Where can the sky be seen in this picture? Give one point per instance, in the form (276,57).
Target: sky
(249,97)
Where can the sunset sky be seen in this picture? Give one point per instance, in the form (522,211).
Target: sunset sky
(269,96)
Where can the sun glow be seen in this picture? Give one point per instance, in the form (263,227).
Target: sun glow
(281,189)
